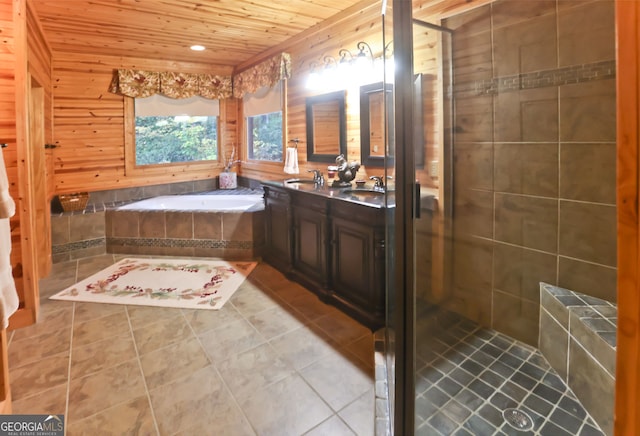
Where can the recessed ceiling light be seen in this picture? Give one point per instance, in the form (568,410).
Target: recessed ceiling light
(197,47)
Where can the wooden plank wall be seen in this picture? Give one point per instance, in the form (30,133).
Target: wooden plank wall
(39,68)
(8,126)
(89,123)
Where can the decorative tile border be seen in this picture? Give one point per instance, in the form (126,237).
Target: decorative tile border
(181,243)
(538,79)
(80,245)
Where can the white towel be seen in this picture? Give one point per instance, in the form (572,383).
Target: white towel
(8,295)
(291,161)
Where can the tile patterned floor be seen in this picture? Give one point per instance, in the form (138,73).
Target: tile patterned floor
(469,375)
(274,361)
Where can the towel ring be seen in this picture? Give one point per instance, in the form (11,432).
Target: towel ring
(296,141)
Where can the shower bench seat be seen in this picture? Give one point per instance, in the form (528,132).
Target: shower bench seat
(578,338)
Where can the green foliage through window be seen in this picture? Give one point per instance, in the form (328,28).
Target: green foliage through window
(171,139)
(264,137)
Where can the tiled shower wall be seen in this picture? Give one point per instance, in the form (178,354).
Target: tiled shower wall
(534,158)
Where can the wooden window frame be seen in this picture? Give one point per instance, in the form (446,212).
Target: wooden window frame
(130,167)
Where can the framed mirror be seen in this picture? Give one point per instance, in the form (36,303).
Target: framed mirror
(372,141)
(326,127)
(373,99)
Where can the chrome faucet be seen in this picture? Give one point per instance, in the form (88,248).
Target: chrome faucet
(318,178)
(378,181)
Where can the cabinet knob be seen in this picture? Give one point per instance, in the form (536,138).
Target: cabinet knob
(50,146)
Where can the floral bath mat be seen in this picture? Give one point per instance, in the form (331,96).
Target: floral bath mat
(190,284)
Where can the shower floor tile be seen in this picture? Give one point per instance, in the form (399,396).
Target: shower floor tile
(468,375)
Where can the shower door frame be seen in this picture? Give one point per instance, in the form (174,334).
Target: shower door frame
(628,192)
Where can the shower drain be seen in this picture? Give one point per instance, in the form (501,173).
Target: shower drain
(517,419)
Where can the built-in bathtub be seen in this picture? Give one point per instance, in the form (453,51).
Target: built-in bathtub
(218,225)
(199,203)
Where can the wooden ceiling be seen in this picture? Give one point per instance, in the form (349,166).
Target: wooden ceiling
(233,31)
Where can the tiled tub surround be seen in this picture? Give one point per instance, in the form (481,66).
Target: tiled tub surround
(79,234)
(90,232)
(534,158)
(227,234)
(578,338)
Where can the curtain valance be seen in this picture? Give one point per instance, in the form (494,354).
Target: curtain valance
(141,84)
(266,73)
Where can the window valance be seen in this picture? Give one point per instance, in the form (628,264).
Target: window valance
(267,73)
(141,84)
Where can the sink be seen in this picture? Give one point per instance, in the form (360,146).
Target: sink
(299,181)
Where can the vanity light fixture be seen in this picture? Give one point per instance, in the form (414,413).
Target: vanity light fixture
(314,81)
(197,47)
(362,55)
(343,56)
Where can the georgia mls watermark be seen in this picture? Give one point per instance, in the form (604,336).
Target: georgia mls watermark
(31,425)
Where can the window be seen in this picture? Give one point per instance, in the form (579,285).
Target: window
(263,121)
(171,130)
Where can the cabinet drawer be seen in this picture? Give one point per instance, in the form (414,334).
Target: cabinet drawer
(312,202)
(349,211)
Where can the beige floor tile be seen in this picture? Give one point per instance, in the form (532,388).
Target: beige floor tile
(164,365)
(140,316)
(62,276)
(165,332)
(99,329)
(194,400)
(39,376)
(203,320)
(341,327)
(303,346)
(104,389)
(253,369)
(268,276)
(92,311)
(225,420)
(310,306)
(91,265)
(290,290)
(359,414)
(287,407)
(230,339)
(50,402)
(131,418)
(188,396)
(338,388)
(363,349)
(48,321)
(28,350)
(250,301)
(101,355)
(333,426)
(276,321)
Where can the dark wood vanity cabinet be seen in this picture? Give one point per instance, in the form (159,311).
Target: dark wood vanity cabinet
(333,247)
(358,261)
(309,238)
(277,206)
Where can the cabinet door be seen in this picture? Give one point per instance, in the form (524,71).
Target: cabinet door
(353,267)
(309,246)
(277,231)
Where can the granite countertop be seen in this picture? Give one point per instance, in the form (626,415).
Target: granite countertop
(361,195)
